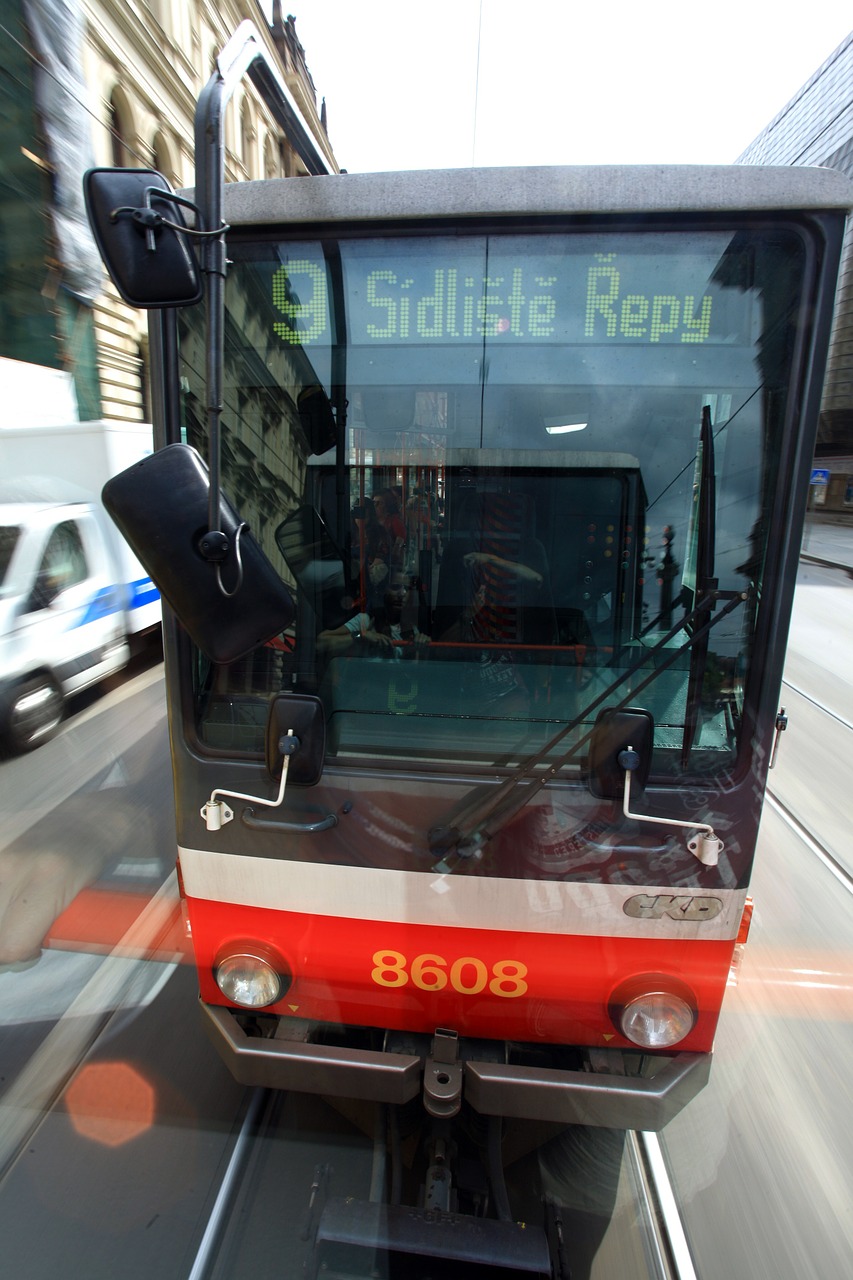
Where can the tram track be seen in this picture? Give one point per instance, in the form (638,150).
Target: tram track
(653,1211)
(821,851)
(665,1232)
(803,815)
(819,706)
(255,1115)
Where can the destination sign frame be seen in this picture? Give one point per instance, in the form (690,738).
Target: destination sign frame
(656,290)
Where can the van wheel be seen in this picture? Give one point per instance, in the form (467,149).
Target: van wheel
(32,713)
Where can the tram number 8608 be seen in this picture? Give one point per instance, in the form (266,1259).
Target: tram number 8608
(468,975)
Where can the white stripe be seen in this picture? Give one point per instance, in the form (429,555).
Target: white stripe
(467,902)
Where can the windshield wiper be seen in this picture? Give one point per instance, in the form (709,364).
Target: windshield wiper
(472,828)
(706,583)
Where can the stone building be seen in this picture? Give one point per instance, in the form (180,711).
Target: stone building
(115,82)
(816,128)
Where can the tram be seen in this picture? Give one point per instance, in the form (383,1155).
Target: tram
(477,508)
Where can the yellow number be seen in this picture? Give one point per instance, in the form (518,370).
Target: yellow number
(427,975)
(481,976)
(390,969)
(508,971)
(468,975)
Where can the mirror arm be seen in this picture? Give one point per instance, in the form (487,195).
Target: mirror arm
(216,814)
(707,847)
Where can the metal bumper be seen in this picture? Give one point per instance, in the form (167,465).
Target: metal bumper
(610,1100)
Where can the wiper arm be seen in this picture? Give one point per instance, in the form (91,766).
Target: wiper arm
(489,813)
(705,580)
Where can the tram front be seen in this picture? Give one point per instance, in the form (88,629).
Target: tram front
(527,452)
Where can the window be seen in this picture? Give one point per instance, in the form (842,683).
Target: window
(247,140)
(9,535)
(121,150)
(63,564)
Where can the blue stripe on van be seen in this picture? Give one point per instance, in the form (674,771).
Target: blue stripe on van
(106,601)
(143,592)
(112,599)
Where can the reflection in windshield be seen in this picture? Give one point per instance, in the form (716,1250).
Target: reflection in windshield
(510,514)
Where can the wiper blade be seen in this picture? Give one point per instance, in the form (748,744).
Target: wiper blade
(706,583)
(457,841)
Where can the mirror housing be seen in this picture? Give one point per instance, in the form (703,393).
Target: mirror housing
(150,262)
(614,732)
(303,713)
(318,421)
(160,504)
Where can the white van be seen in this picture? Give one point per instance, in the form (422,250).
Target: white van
(72,595)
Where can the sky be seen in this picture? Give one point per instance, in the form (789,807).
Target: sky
(489,82)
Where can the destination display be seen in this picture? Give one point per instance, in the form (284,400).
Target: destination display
(513,289)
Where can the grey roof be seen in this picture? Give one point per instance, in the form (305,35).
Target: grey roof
(462,193)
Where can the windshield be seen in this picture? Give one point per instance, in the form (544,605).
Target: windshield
(479,461)
(9,535)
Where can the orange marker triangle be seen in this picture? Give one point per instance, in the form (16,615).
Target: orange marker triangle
(608,1037)
(293,1007)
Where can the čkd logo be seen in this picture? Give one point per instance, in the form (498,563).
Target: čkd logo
(645,906)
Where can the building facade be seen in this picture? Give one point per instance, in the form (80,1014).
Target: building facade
(115,82)
(816,128)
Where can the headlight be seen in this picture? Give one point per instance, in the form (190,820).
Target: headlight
(249,980)
(654,1012)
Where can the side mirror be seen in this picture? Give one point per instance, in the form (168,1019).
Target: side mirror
(615,732)
(139,229)
(160,504)
(301,716)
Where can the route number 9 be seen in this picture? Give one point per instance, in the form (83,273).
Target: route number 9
(305,321)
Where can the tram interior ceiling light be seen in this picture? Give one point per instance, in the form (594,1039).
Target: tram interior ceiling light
(557,427)
(250,980)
